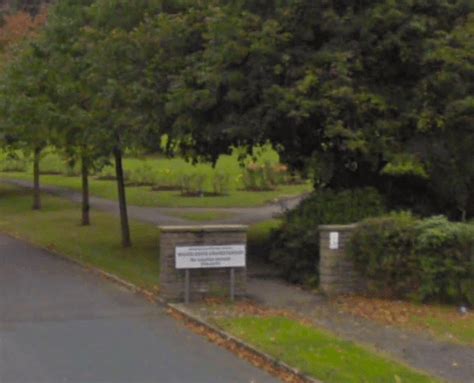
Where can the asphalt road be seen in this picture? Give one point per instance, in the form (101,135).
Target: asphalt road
(59,323)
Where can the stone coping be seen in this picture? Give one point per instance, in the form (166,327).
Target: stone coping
(203,228)
(351,226)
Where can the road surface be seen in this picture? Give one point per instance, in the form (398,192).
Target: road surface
(61,324)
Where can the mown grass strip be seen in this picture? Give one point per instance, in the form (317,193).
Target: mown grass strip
(318,353)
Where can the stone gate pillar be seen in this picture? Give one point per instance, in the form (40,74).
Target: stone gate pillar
(336,269)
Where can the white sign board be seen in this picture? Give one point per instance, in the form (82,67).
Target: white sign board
(333,240)
(203,257)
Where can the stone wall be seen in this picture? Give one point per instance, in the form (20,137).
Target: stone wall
(203,282)
(336,269)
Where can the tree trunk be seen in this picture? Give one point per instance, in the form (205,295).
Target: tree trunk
(463,214)
(36,182)
(85,192)
(126,241)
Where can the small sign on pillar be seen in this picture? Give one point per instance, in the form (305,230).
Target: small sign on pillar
(334,240)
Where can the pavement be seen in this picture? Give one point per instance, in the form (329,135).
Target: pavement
(60,323)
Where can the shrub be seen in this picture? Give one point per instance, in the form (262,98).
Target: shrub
(296,244)
(264,177)
(73,168)
(220,183)
(425,260)
(143,175)
(256,178)
(383,251)
(166,179)
(192,184)
(52,163)
(14,164)
(445,255)
(107,173)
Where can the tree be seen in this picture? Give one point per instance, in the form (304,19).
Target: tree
(26,107)
(337,87)
(114,76)
(74,128)
(214,101)
(17,30)
(446,118)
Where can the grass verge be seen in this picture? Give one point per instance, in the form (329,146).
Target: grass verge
(318,353)
(57,228)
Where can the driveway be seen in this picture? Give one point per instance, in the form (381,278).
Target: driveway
(59,323)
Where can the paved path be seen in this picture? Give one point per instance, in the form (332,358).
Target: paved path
(164,216)
(59,323)
(452,362)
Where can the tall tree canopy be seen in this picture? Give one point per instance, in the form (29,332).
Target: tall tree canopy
(351,90)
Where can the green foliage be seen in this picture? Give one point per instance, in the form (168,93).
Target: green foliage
(143,175)
(13,162)
(383,249)
(108,174)
(404,165)
(192,184)
(52,163)
(266,176)
(445,254)
(221,183)
(426,260)
(258,177)
(296,244)
(354,87)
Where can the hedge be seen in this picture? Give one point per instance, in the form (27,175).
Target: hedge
(424,260)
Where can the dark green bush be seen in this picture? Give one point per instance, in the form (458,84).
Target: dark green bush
(296,244)
(382,248)
(425,260)
(445,254)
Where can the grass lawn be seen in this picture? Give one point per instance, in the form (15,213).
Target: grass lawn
(442,322)
(164,171)
(318,353)
(57,227)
